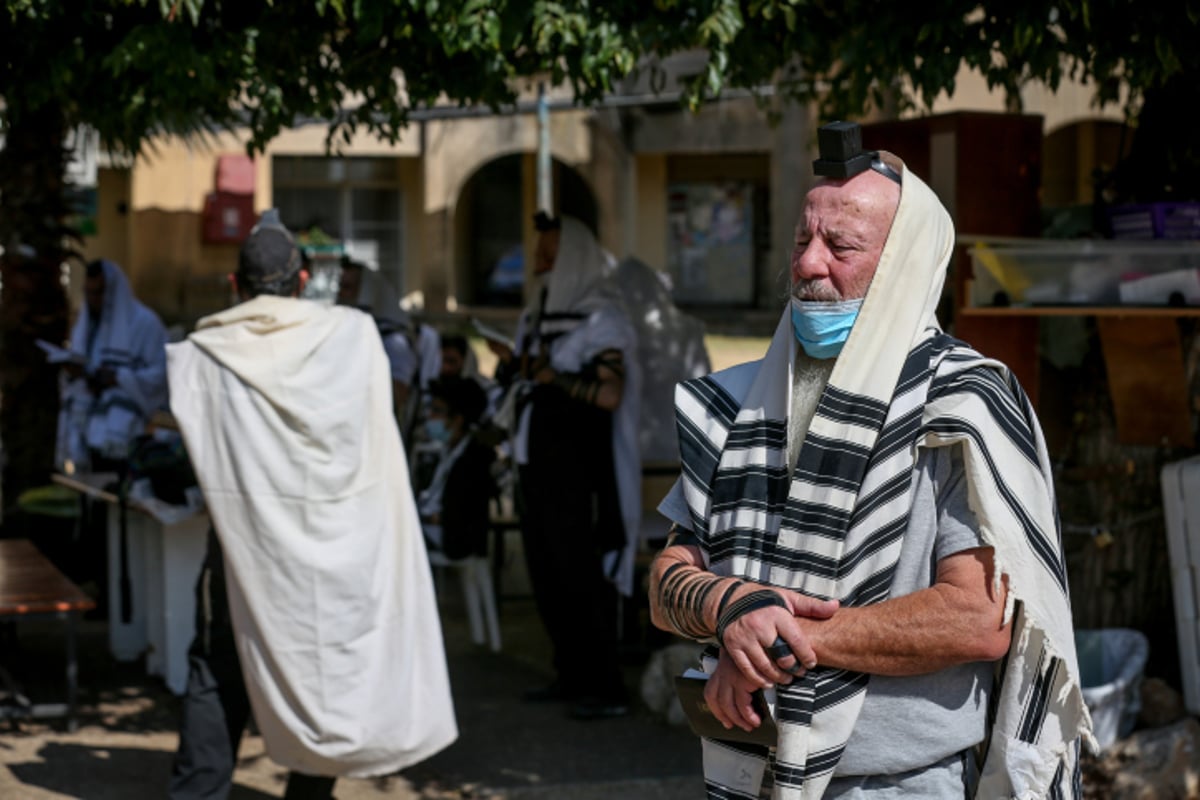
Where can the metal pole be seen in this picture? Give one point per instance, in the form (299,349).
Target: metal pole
(545,198)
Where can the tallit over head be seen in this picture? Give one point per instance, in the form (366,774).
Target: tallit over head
(834,528)
(129,339)
(578,281)
(583,316)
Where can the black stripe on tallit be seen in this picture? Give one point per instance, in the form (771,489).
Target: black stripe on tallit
(835,686)
(713,398)
(763,433)
(698,455)
(883,494)
(1056,790)
(814,518)
(739,543)
(715,791)
(1038,703)
(854,409)
(814,474)
(824,566)
(818,764)
(1046,551)
(915,370)
(898,435)
(1004,408)
(750,486)
(874,589)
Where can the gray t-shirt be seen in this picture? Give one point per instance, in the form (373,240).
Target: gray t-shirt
(909,723)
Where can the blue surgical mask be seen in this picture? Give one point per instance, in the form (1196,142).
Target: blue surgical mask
(437,430)
(822,328)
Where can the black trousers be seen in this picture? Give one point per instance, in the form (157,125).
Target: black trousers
(216,707)
(577,603)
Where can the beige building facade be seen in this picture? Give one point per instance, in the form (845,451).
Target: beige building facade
(445,213)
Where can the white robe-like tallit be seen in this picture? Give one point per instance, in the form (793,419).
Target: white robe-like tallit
(285,406)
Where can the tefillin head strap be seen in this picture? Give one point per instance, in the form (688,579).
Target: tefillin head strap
(842,156)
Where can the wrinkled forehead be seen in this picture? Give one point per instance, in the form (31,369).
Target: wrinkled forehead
(868,200)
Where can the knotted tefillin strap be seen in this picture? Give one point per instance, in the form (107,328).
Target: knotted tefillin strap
(763,598)
(683,591)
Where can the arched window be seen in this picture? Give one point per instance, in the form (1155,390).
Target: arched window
(491,224)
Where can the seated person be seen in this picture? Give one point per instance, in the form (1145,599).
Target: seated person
(454,506)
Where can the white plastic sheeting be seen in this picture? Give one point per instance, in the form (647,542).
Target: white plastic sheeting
(670,349)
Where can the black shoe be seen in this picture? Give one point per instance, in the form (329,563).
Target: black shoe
(552,692)
(589,708)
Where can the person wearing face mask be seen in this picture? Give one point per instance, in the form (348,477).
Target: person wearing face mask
(575,443)
(865,530)
(454,507)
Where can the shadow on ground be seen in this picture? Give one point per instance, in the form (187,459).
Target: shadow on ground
(506,748)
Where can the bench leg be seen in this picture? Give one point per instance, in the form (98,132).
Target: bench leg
(72,673)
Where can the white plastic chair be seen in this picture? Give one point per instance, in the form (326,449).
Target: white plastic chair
(475,576)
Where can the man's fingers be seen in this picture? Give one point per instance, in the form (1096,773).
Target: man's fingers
(781,653)
(713,699)
(802,650)
(744,705)
(804,606)
(766,668)
(750,669)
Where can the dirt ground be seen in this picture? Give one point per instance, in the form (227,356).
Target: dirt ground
(126,738)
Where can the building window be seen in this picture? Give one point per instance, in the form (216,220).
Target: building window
(711,242)
(492,222)
(357,201)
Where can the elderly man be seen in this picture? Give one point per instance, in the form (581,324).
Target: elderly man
(108,400)
(316,606)
(865,529)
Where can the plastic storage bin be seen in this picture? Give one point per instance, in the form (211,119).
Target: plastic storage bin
(1072,272)
(1111,661)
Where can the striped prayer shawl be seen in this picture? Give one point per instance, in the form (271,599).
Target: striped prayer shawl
(834,529)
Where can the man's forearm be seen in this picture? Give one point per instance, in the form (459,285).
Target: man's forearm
(685,599)
(917,634)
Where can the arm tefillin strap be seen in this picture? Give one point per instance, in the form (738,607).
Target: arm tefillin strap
(763,598)
(684,589)
(585,385)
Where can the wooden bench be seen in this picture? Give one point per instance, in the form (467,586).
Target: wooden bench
(30,586)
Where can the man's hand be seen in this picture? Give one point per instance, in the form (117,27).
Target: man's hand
(728,693)
(747,638)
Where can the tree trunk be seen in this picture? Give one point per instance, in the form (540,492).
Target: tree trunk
(33,232)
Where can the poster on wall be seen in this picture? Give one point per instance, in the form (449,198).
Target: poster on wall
(710,242)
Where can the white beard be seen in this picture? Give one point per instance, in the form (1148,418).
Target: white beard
(808,383)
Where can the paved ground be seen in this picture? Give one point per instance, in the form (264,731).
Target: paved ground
(506,749)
